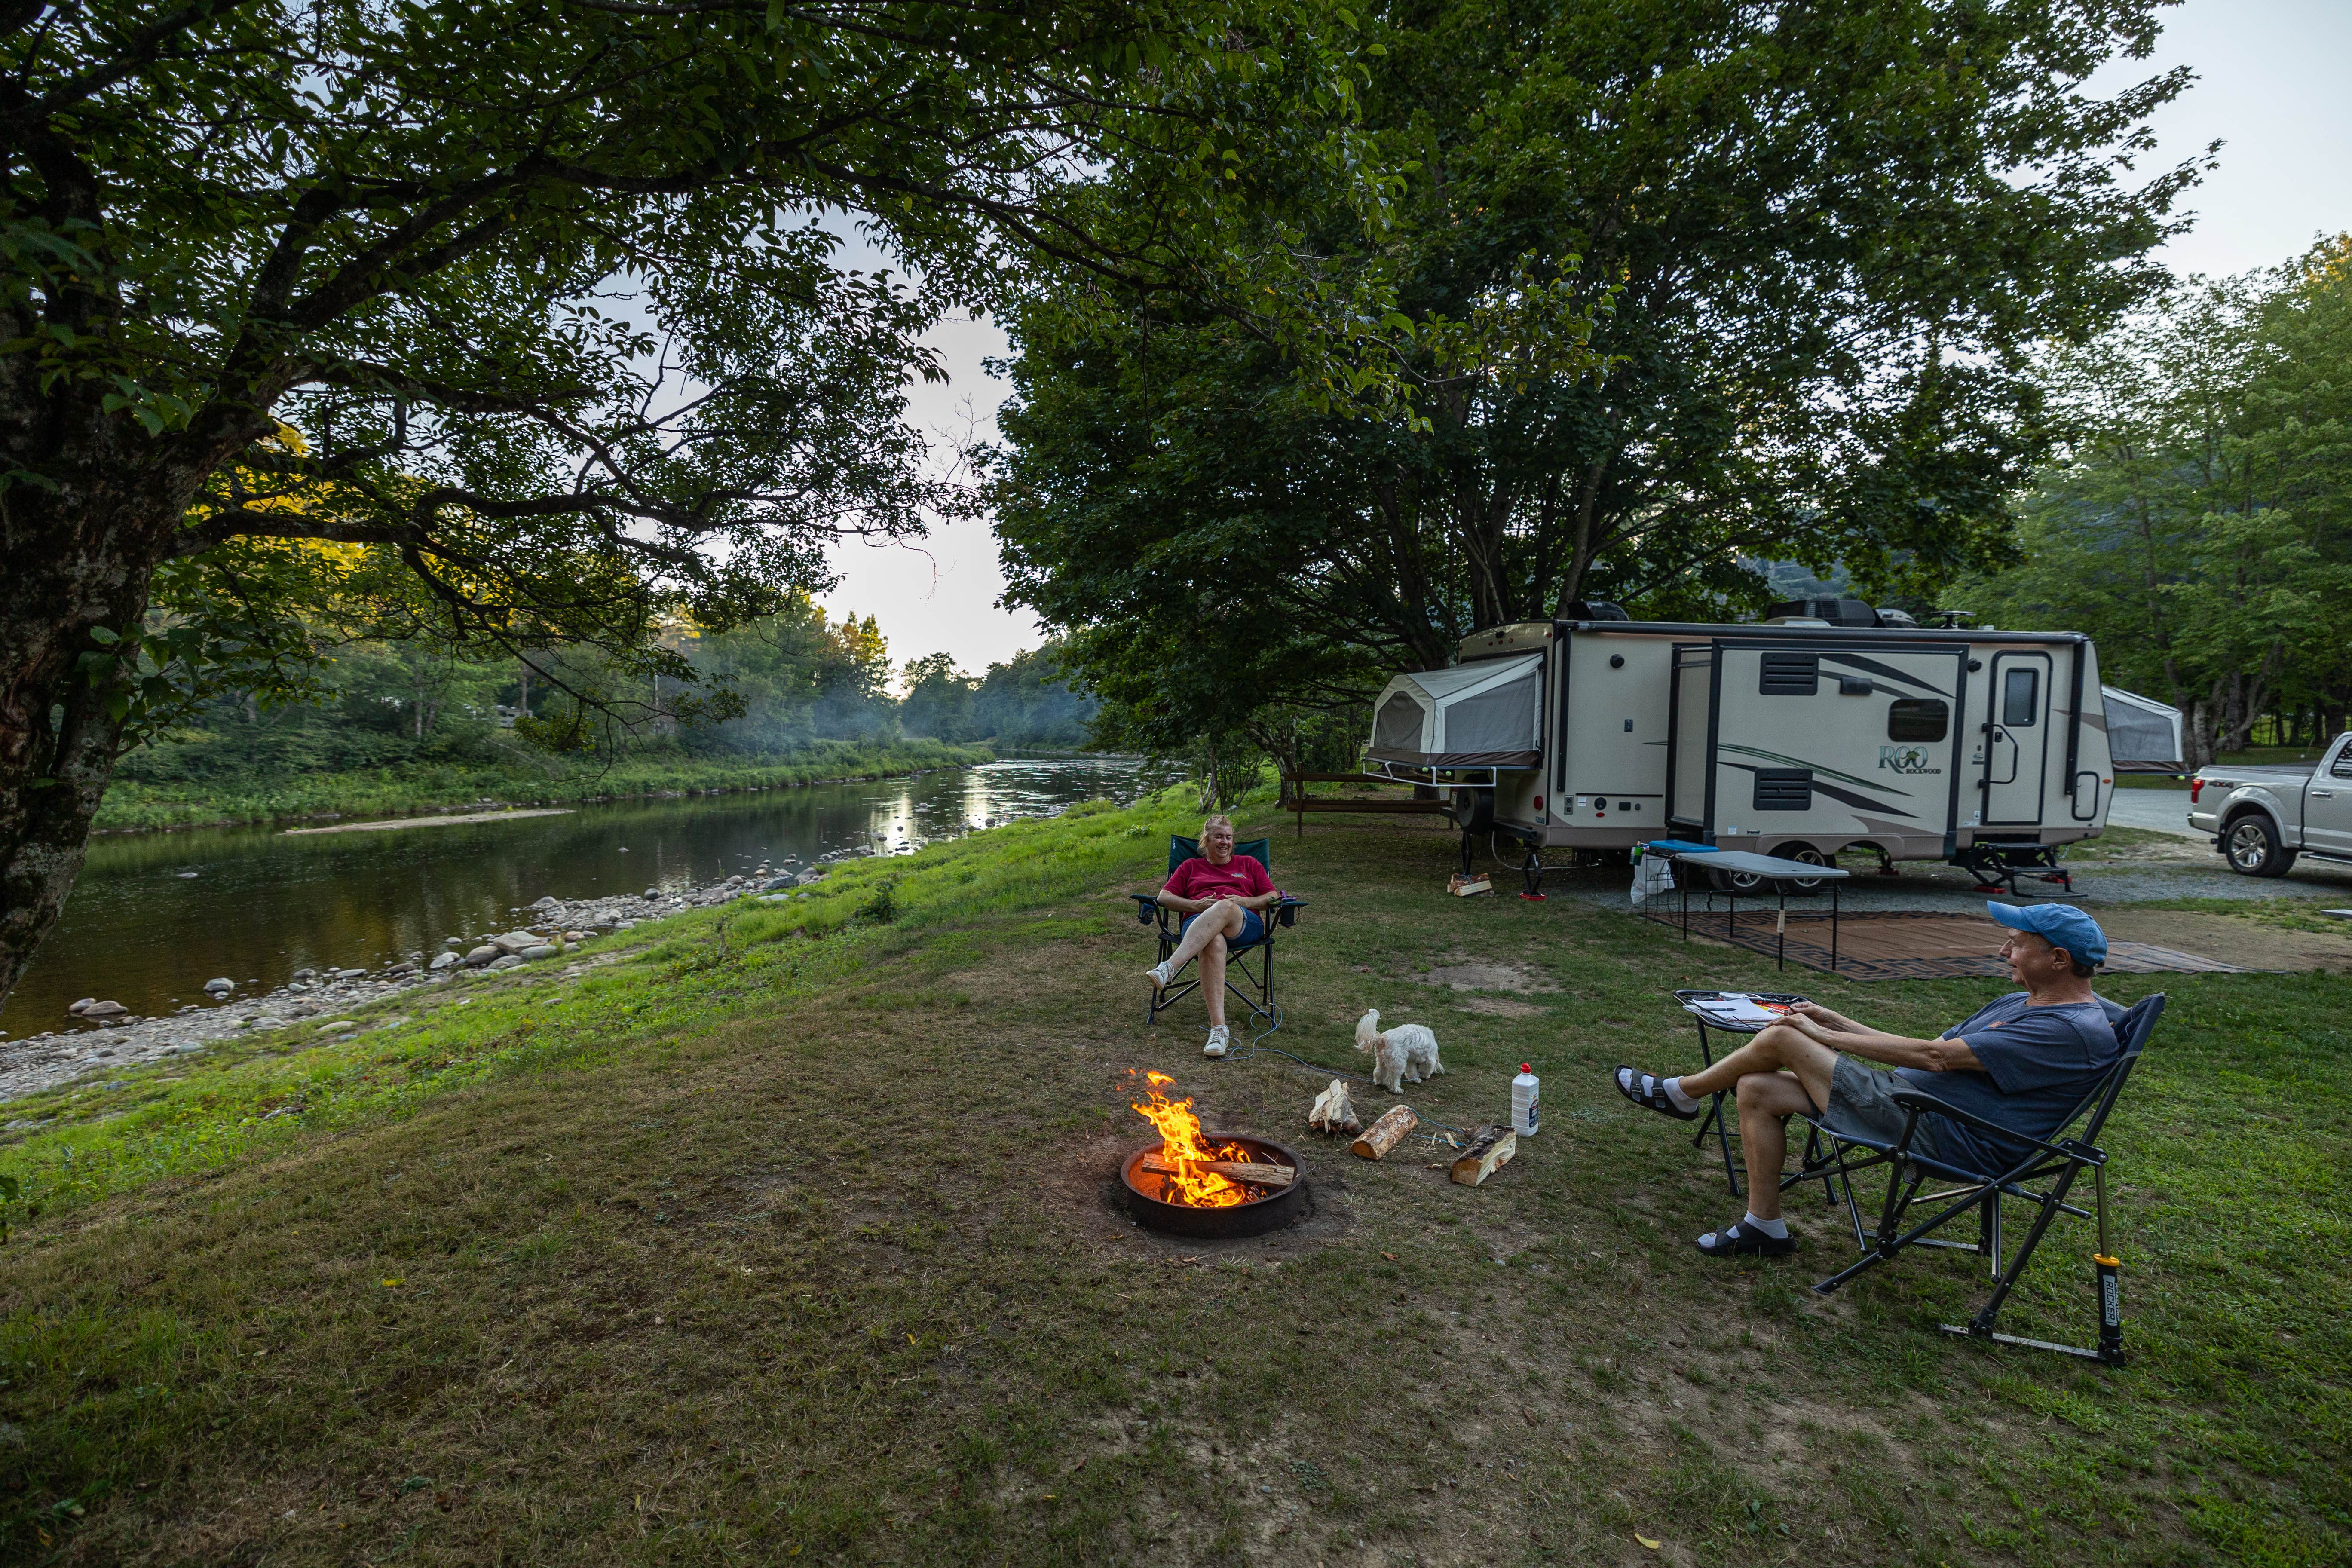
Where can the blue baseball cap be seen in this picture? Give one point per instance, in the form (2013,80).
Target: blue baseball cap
(2059,925)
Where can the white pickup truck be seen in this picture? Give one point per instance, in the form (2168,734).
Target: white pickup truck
(2262,819)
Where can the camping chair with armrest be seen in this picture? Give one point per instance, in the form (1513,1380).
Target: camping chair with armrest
(2042,1178)
(1171,929)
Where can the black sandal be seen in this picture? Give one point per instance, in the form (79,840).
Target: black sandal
(1649,1092)
(1737,1241)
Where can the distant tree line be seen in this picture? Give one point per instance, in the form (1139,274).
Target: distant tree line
(2197,519)
(762,691)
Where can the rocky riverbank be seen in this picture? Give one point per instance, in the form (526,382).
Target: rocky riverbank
(104,1036)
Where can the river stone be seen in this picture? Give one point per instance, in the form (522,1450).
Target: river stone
(485,953)
(328,1028)
(775,884)
(549,902)
(443,962)
(305,973)
(516,941)
(805,877)
(351,974)
(653,892)
(544,950)
(77,1008)
(102,1009)
(575,936)
(508,962)
(220,987)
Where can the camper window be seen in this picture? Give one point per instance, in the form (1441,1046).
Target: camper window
(1788,674)
(2019,690)
(1918,719)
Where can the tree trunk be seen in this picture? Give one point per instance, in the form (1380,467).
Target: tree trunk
(59,732)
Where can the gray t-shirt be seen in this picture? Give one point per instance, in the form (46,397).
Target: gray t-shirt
(2038,1064)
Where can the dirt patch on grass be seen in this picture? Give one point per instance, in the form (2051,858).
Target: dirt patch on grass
(1499,1007)
(1461,972)
(2232,940)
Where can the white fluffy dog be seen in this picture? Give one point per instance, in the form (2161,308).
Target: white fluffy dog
(1408,1052)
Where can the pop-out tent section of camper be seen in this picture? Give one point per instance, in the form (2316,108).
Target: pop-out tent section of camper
(2142,734)
(1483,715)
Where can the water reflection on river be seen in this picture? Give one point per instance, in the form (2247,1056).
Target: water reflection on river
(262,903)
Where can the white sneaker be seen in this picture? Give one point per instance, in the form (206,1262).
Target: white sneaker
(1159,976)
(1219,1042)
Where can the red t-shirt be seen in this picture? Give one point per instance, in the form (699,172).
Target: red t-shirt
(1239,877)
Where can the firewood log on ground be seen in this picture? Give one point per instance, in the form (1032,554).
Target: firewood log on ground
(1385,1134)
(1332,1112)
(1491,1147)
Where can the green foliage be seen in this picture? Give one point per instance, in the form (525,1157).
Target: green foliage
(517,311)
(1025,702)
(2199,523)
(507,773)
(1676,285)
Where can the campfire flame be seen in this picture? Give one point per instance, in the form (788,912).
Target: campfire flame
(1191,1184)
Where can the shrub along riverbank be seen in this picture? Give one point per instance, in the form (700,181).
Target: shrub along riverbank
(531,778)
(785,1231)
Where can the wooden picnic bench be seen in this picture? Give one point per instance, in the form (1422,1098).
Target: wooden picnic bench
(1294,799)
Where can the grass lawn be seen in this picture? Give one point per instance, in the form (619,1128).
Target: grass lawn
(787,1236)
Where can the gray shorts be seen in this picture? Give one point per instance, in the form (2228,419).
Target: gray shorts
(1862,1099)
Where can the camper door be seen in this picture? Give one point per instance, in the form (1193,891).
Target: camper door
(1833,742)
(2015,745)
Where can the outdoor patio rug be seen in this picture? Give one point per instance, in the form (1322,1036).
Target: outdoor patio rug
(1913,946)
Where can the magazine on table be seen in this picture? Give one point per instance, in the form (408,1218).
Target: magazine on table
(1743,1009)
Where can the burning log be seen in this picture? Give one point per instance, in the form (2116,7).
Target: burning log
(1385,1134)
(1491,1148)
(1331,1112)
(1232,1170)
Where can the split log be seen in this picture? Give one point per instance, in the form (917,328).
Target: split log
(1385,1134)
(1232,1170)
(1333,1113)
(1491,1147)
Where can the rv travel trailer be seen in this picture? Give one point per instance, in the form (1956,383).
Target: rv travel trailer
(1831,727)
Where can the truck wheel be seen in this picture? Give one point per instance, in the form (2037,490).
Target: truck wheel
(2253,848)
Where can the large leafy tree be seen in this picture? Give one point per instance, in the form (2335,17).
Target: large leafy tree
(1679,282)
(536,307)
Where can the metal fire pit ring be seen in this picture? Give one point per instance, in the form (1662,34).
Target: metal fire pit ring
(1273,1212)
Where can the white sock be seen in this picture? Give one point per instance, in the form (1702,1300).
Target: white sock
(1778,1229)
(1673,1088)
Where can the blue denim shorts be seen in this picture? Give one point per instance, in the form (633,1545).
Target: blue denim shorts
(1253,928)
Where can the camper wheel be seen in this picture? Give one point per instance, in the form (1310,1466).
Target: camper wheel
(1737,881)
(1810,857)
(1474,809)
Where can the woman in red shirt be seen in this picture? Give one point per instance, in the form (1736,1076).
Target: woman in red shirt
(1220,895)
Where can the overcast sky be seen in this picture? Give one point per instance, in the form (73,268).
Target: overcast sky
(2273,84)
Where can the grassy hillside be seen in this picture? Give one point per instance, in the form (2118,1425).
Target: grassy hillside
(785,1233)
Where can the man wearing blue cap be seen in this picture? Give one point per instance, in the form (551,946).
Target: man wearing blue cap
(2021,1061)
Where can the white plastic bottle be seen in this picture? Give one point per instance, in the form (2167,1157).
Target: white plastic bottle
(1522,1101)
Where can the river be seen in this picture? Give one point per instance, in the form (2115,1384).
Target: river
(153,916)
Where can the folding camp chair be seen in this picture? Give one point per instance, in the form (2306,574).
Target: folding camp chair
(2042,1178)
(1172,931)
